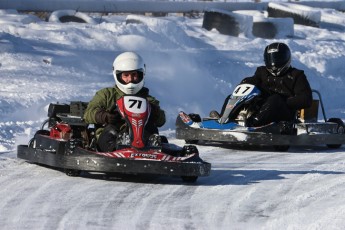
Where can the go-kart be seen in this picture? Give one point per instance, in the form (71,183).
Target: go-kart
(66,142)
(231,127)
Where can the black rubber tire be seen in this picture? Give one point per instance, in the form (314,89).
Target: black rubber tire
(192,142)
(264,30)
(189,179)
(32,143)
(72,172)
(224,23)
(297,17)
(340,130)
(281,148)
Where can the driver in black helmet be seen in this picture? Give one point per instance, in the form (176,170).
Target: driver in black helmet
(285,89)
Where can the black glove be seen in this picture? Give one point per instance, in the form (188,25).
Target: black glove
(104,117)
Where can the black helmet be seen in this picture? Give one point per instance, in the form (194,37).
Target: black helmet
(277,58)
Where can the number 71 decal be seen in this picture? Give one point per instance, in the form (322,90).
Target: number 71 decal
(135,104)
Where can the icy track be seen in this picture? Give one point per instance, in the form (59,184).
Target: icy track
(189,69)
(300,189)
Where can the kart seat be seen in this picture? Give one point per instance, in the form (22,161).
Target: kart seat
(309,114)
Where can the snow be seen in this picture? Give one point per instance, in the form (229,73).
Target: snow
(189,69)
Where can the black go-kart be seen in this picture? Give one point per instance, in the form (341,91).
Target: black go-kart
(66,142)
(231,127)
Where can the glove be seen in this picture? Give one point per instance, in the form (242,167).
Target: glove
(104,117)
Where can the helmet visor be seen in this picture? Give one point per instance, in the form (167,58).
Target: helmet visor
(273,60)
(127,77)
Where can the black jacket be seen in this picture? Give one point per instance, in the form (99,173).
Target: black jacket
(292,86)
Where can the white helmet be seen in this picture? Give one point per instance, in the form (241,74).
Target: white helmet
(129,61)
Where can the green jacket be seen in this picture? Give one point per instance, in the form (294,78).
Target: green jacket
(105,99)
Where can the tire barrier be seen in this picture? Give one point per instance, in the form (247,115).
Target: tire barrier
(264,29)
(303,15)
(269,28)
(64,16)
(273,27)
(250,23)
(228,23)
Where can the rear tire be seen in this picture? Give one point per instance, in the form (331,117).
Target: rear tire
(281,148)
(285,129)
(72,172)
(189,179)
(340,130)
(32,143)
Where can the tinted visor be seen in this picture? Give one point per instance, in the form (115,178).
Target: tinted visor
(274,60)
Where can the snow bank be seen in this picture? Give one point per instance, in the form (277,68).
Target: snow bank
(11,17)
(333,18)
(162,27)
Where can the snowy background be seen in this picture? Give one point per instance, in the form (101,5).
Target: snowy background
(189,69)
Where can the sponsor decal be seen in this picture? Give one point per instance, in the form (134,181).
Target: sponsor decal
(136,115)
(144,155)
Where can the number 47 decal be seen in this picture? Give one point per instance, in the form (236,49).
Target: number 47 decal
(243,90)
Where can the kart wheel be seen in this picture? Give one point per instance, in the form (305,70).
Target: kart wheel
(340,130)
(43,132)
(164,139)
(32,143)
(189,179)
(189,149)
(281,148)
(192,142)
(72,172)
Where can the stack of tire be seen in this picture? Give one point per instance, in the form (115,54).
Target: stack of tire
(302,15)
(249,23)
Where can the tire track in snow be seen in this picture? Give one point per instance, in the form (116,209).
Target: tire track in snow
(314,171)
(147,204)
(95,198)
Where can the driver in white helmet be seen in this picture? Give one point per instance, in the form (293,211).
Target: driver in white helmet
(129,75)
